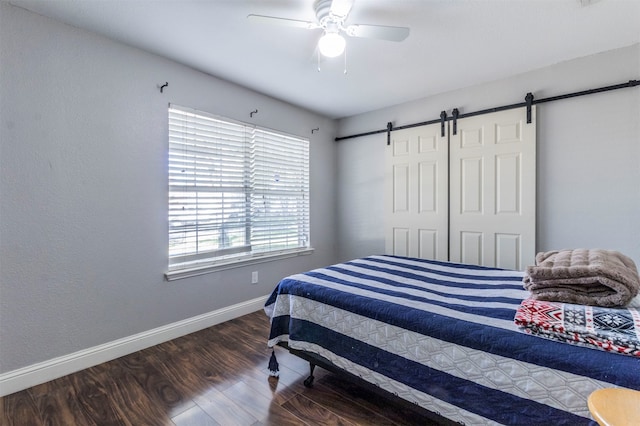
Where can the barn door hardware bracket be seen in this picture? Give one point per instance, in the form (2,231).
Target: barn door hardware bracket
(443,119)
(455,114)
(529,100)
(630,83)
(389,129)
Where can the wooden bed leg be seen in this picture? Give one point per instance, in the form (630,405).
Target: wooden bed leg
(308,382)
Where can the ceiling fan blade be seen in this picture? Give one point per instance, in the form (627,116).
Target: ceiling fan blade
(379,32)
(283,21)
(341,7)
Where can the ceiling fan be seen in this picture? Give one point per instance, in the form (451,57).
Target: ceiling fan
(330,17)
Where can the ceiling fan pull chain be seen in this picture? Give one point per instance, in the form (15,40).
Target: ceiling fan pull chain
(345,60)
(318,50)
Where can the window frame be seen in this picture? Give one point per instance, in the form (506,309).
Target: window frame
(207,261)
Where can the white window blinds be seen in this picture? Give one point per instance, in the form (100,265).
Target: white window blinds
(235,191)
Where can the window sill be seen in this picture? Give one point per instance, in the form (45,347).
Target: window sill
(233,263)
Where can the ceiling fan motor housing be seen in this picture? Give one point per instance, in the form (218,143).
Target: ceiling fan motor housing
(326,18)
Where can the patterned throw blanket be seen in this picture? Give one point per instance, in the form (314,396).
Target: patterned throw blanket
(608,329)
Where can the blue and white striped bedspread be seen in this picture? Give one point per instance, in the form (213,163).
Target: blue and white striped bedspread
(442,335)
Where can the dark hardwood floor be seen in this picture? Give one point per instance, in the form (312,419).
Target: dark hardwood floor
(217,376)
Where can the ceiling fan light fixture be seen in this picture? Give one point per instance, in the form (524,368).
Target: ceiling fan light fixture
(331,44)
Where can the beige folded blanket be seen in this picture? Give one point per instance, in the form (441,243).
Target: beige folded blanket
(584,277)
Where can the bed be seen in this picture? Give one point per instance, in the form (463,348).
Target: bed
(442,337)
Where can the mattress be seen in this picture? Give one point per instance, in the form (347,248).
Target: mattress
(442,335)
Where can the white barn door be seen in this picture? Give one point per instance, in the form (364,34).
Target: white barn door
(416,193)
(493,190)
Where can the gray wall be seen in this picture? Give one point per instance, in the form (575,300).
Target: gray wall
(588,177)
(83,187)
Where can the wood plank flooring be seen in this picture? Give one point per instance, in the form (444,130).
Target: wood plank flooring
(217,376)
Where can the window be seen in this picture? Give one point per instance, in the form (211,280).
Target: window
(236,192)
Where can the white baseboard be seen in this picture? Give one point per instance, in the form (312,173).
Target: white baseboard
(42,372)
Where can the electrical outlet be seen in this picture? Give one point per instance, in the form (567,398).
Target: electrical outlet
(254,277)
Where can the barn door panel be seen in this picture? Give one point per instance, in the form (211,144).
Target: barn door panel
(416,193)
(493,193)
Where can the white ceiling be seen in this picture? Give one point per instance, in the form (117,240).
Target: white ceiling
(453,43)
